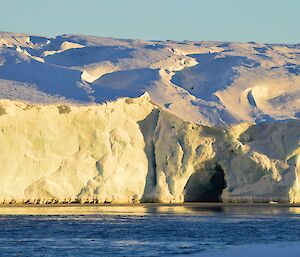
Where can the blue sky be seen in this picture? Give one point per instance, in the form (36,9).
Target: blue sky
(269,21)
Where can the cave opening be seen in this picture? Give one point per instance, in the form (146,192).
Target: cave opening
(203,189)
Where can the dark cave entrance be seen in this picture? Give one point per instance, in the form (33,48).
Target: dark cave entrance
(199,190)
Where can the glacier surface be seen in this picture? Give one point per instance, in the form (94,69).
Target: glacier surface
(209,83)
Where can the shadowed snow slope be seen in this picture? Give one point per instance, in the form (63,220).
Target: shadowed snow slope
(209,83)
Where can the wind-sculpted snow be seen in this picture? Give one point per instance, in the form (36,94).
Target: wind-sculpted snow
(131,150)
(208,83)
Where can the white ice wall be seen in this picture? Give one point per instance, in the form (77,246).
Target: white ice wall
(131,151)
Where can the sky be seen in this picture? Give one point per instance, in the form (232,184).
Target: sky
(266,21)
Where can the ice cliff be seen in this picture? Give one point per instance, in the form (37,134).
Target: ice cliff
(131,150)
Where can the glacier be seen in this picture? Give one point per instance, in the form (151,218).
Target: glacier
(103,120)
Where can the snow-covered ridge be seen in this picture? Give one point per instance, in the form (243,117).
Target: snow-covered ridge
(131,150)
(208,83)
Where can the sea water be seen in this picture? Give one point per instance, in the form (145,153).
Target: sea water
(150,230)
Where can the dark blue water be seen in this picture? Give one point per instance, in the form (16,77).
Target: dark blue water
(150,230)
